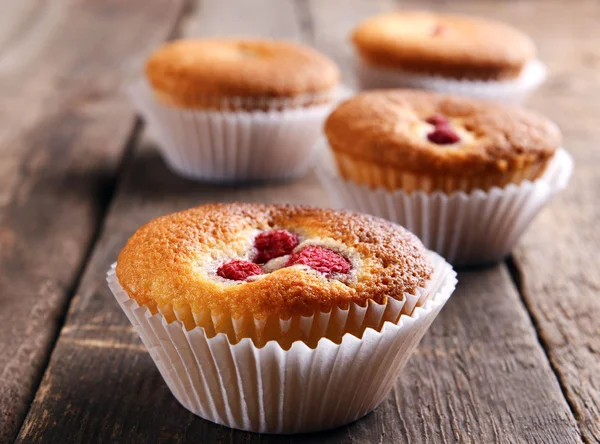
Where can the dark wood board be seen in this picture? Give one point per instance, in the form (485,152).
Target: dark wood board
(480,375)
(559,261)
(64,127)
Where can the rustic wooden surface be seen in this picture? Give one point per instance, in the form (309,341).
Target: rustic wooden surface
(63,132)
(513,357)
(559,260)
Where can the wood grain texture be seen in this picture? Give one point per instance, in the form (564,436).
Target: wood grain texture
(558,262)
(480,375)
(63,129)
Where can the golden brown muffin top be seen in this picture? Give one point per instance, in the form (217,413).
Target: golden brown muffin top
(402,129)
(443,44)
(338,257)
(239,68)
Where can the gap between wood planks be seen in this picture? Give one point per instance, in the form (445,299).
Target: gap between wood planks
(517,279)
(105,200)
(104,205)
(305,21)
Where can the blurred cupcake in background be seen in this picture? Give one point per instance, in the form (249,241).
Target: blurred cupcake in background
(447,53)
(466,176)
(228,110)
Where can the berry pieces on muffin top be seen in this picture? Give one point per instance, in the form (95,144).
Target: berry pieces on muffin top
(414,139)
(265,260)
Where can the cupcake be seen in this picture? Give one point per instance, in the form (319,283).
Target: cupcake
(279,319)
(236,110)
(446,53)
(466,176)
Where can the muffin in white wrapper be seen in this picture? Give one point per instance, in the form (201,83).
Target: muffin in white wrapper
(232,146)
(236,109)
(448,53)
(272,389)
(513,91)
(465,228)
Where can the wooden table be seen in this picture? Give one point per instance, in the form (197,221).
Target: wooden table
(514,357)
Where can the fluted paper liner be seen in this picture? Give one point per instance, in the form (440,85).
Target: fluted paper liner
(353,319)
(232,146)
(465,228)
(512,91)
(272,390)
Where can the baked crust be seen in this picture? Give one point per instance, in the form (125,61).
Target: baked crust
(454,46)
(170,261)
(203,72)
(388,128)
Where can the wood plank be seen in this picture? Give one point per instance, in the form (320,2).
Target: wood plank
(480,375)
(559,263)
(63,130)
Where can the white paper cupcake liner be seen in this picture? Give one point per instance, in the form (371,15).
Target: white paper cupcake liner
(272,390)
(465,228)
(233,146)
(354,319)
(512,91)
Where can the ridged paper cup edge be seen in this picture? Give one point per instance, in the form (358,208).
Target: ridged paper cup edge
(466,228)
(224,146)
(271,390)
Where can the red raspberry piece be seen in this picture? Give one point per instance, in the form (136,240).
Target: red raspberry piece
(443,135)
(321,259)
(438,30)
(238,270)
(437,120)
(275,243)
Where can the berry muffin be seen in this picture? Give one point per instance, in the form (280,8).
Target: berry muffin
(444,52)
(269,263)
(229,297)
(466,176)
(416,140)
(230,110)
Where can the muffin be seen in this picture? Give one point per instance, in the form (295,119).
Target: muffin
(268,262)
(444,52)
(466,176)
(240,74)
(230,110)
(416,140)
(260,291)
